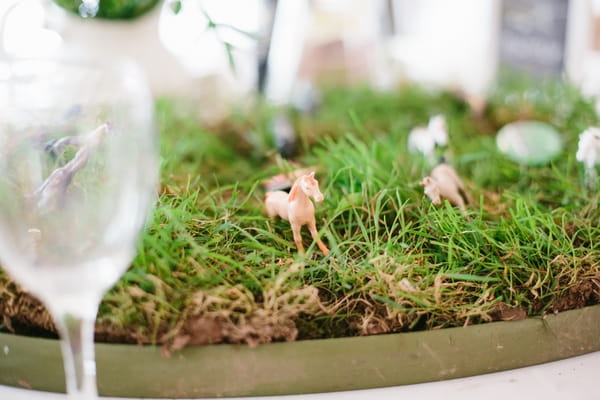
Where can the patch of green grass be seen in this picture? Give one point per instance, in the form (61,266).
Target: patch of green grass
(212,267)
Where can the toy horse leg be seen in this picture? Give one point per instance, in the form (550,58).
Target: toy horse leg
(270,211)
(461,205)
(466,195)
(459,201)
(312,227)
(297,236)
(462,191)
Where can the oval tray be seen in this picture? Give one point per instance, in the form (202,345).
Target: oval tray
(312,365)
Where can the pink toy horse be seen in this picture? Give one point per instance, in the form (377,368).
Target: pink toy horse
(297,208)
(443,181)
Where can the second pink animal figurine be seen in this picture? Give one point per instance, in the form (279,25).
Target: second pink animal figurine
(443,181)
(297,208)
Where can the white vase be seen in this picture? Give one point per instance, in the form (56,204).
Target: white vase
(138,39)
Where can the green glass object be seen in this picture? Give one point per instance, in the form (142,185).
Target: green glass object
(111,9)
(529,142)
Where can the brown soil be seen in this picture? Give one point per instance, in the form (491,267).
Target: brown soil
(584,293)
(504,312)
(23,314)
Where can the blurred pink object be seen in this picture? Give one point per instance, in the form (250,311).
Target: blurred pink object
(285,180)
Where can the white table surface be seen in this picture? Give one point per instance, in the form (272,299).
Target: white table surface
(573,378)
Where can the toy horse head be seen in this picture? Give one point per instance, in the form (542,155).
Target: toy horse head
(310,187)
(431,189)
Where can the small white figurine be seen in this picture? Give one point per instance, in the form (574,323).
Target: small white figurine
(297,208)
(424,139)
(588,152)
(438,129)
(443,181)
(419,140)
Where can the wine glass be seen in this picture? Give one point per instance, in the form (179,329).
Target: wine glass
(78,174)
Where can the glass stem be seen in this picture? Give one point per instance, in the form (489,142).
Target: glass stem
(77,345)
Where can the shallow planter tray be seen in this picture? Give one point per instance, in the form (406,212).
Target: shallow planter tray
(312,365)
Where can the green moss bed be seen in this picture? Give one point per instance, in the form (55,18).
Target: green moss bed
(212,268)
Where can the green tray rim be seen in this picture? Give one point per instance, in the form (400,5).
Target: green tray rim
(310,366)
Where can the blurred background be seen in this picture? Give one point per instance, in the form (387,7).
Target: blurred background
(223,51)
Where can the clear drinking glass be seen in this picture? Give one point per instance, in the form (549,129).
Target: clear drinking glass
(78,174)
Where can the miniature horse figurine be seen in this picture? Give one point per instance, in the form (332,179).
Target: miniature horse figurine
(443,181)
(297,208)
